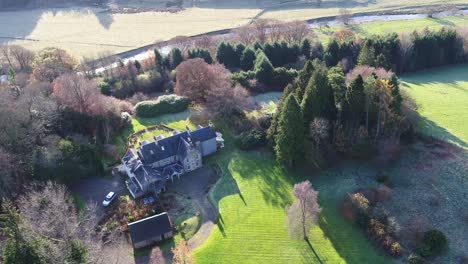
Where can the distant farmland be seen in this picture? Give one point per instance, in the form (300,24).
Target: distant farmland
(87,32)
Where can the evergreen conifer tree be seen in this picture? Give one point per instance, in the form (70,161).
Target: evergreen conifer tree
(264,70)
(303,78)
(397,99)
(356,99)
(247,59)
(289,138)
(306,48)
(318,99)
(367,55)
(177,57)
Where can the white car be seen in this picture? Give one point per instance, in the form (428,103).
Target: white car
(109,198)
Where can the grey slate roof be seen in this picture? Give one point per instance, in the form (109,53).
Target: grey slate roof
(129,155)
(171,146)
(150,227)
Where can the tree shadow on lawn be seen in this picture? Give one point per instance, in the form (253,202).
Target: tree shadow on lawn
(275,182)
(430,128)
(443,22)
(443,75)
(348,240)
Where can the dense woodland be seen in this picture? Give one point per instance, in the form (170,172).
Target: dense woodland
(58,118)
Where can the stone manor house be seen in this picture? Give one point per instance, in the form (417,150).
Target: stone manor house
(154,163)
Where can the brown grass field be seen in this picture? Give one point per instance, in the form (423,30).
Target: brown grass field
(87,32)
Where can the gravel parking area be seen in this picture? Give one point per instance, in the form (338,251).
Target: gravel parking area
(95,189)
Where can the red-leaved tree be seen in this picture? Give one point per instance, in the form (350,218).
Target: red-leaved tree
(196,79)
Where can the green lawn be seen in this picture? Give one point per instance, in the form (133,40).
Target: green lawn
(398,26)
(252,196)
(442,96)
(176,121)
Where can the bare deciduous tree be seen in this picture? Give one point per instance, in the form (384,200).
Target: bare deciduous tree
(76,92)
(17,56)
(260,29)
(276,30)
(319,130)
(344,16)
(5,52)
(204,42)
(48,211)
(181,42)
(245,34)
(224,100)
(296,31)
(305,210)
(366,71)
(23,57)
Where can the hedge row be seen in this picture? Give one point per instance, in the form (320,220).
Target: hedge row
(165,104)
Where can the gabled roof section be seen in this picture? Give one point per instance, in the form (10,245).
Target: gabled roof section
(149,227)
(170,146)
(129,155)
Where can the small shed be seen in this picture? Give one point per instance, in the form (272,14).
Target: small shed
(150,230)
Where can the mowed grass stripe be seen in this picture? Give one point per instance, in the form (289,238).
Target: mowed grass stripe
(252,197)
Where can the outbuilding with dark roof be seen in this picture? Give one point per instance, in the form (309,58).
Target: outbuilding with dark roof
(150,230)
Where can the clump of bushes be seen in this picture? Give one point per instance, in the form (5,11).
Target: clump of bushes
(360,208)
(165,104)
(434,243)
(251,139)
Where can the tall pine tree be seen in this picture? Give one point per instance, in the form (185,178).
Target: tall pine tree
(337,81)
(319,98)
(177,57)
(356,99)
(247,59)
(395,105)
(290,133)
(303,78)
(264,70)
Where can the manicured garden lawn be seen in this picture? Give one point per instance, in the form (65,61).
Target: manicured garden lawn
(252,196)
(176,121)
(442,95)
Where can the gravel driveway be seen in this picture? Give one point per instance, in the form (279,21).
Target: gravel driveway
(94,189)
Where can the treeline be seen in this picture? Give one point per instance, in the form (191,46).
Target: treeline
(399,53)
(322,112)
(271,64)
